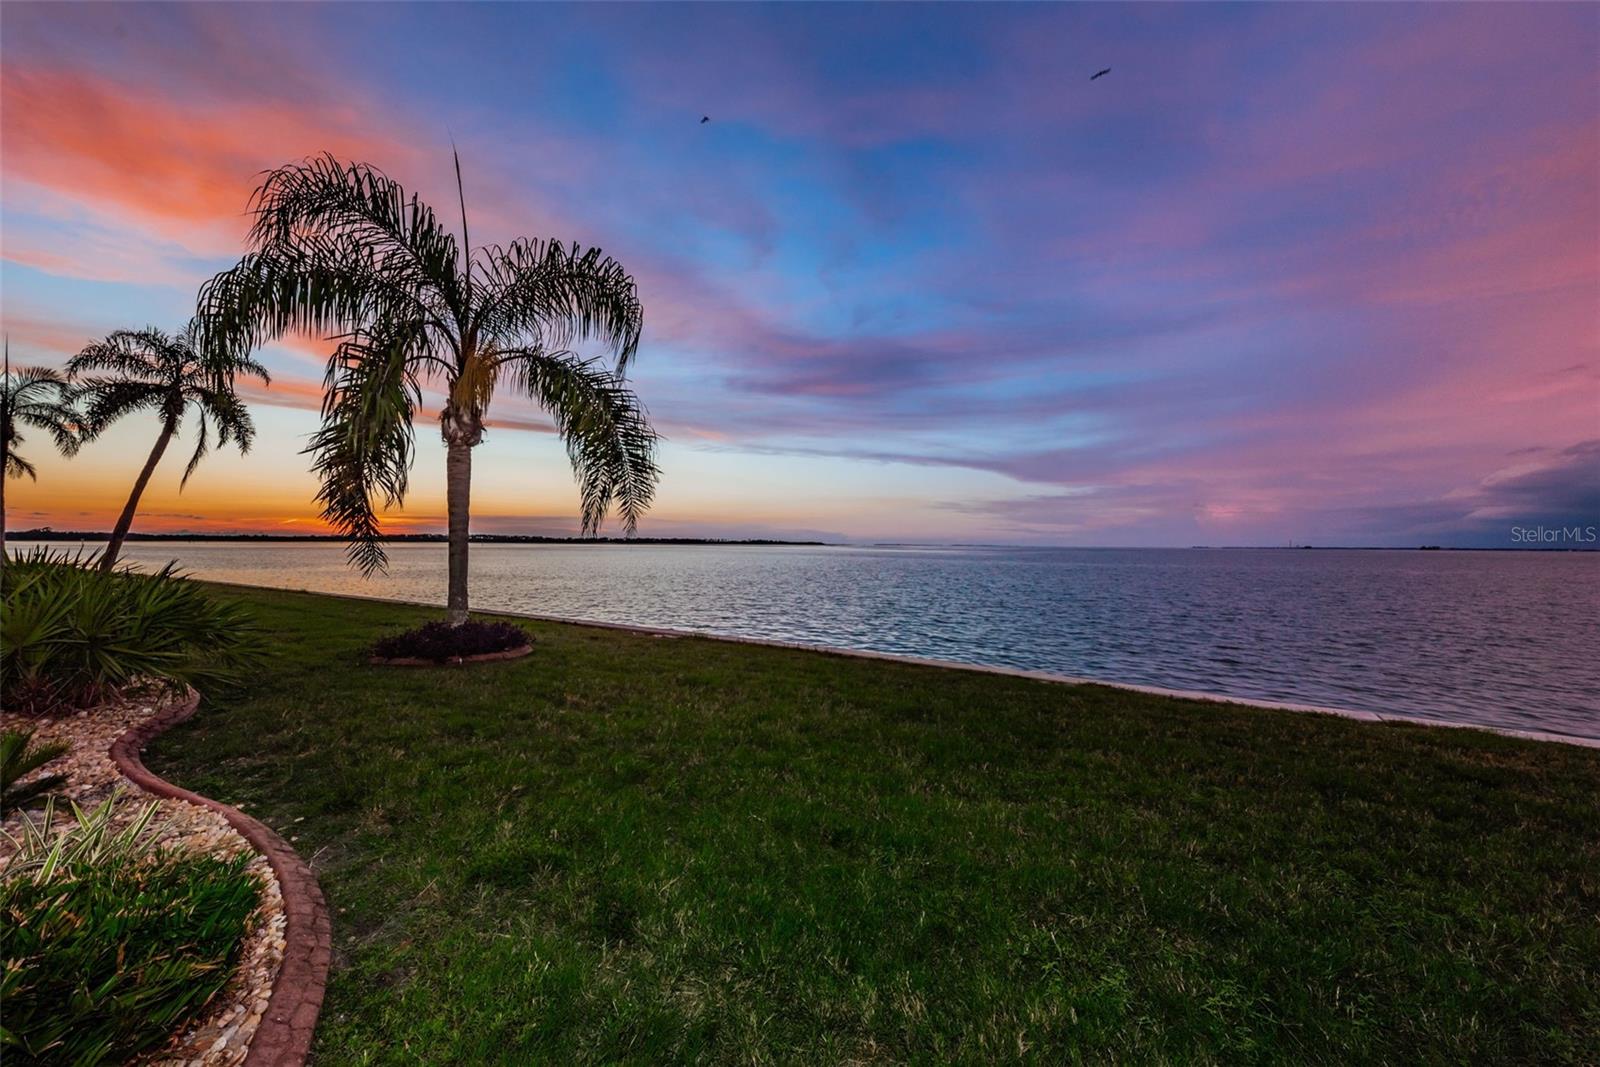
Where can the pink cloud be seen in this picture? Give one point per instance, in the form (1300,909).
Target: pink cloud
(79,146)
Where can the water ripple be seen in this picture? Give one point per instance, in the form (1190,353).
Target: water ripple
(1496,638)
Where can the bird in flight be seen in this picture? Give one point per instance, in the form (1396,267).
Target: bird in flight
(704,119)
(1099,74)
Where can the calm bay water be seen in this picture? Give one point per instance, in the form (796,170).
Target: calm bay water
(1495,638)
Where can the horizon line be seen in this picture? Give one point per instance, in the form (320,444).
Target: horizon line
(47,534)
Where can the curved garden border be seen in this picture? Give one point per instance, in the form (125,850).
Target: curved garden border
(283,1038)
(453,661)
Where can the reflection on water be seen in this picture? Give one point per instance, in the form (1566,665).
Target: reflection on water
(1497,638)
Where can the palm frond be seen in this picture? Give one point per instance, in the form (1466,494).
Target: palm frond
(230,415)
(65,424)
(321,195)
(147,355)
(106,400)
(25,381)
(214,367)
(237,366)
(364,447)
(16,466)
(202,445)
(19,757)
(42,398)
(335,248)
(548,295)
(321,285)
(604,426)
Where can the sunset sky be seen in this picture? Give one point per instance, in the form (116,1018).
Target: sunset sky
(1324,274)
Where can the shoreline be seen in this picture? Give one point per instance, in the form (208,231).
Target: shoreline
(86,539)
(1014,672)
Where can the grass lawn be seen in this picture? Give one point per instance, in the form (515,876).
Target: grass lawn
(634,849)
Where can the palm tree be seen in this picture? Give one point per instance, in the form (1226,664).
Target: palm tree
(40,398)
(149,370)
(341,249)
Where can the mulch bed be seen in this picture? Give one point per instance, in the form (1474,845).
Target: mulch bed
(441,644)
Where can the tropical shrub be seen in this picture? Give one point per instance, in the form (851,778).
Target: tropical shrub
(439,641)
(73,635)
(109,945)
(19,756)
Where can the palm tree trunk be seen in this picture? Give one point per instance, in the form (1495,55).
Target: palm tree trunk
(458,492)
(2,510)
(118,535)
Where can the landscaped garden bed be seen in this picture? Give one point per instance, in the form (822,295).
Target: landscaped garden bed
(138,929)
(220,1033)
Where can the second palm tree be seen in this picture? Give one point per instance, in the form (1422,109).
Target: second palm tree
(149,370)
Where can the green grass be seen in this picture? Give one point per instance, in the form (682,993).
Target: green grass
(634,849)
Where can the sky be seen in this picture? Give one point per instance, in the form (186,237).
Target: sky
(1322,274)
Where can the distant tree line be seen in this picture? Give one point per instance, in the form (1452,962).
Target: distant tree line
(46,533)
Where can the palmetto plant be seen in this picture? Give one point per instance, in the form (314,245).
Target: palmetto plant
(19,757)
(149,370)
(341,250)
(72,634)
(39,398)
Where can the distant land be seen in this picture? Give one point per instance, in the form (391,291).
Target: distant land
(48,534)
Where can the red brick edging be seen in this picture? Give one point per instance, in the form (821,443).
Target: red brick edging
(283,1037)
(453,661)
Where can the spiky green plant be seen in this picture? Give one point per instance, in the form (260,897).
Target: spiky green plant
(72,634)
(43,849)
(341,249)
(20,757)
